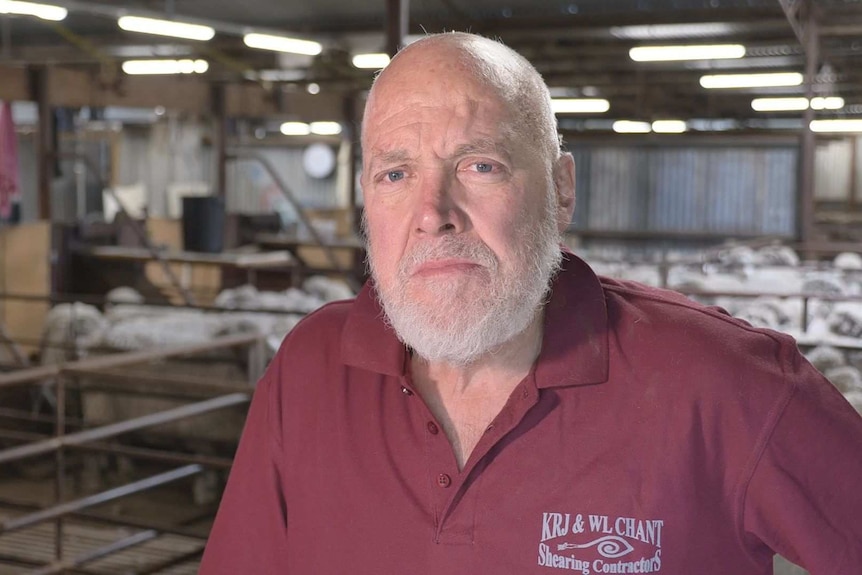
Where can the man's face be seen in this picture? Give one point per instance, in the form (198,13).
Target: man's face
(460,211)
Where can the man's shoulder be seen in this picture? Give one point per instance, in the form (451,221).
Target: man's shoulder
(667,323)
(331,316)
(665,307)
(319,329)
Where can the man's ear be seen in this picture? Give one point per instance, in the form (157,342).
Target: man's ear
(564,184)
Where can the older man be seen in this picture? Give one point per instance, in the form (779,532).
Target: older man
(487,405)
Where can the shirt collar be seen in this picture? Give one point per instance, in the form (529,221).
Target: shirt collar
(574,345)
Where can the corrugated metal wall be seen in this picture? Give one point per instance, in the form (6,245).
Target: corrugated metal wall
(724,190)
(250,188)
(834,162)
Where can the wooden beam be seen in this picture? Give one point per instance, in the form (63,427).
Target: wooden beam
(14,86)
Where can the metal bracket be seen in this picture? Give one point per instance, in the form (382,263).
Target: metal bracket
(796,11)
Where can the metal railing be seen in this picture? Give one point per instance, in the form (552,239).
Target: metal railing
(96,439)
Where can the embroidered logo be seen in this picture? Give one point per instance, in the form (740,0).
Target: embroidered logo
(600,543)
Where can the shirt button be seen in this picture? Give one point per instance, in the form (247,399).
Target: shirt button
(406,391)
(444,480)
(432,428)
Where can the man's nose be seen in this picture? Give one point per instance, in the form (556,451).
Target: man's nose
(438,209)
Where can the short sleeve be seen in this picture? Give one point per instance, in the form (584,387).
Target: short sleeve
(250,529)
(804,498)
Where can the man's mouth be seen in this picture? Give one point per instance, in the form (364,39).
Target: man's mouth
(445,266)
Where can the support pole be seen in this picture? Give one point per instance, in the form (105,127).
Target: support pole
(808,147)
(351,137)
(39,90)
(219,112)
(60,462)
(397,17)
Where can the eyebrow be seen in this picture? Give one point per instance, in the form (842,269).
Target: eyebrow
(390,157)
(482,146)
(478,146)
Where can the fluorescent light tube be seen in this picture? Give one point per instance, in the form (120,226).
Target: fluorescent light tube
(295,129)
(376,61)
(165,28)
(767,80)
(671,31)
(836,126)
(779,104)
(140,67)
(282,44)
(669,127)
(43,11)
(827,103)
(686,52)
(325,128)
(631,127)
(796,104)
(579,105)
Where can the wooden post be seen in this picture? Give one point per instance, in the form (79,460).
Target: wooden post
(397,18)
(45,152)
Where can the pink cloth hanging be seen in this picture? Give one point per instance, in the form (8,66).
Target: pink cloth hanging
(10,180)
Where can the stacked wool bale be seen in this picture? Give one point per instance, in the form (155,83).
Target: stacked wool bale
(842,369)
(131,325)
(74,330)
(127,324)
(777,270)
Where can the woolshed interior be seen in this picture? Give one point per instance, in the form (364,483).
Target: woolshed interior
(171,207)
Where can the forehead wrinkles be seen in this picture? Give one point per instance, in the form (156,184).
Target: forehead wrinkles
(414,128)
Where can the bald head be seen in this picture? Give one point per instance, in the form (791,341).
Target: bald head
(455,58)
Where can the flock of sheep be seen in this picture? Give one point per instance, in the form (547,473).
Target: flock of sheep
(820,304)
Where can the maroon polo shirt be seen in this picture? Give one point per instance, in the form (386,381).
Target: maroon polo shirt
(653,435)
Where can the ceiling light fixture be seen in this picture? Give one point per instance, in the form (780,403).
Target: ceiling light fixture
(631,127)
(779,104)
(668,31)
(827,103)
(282,44)
(766,80)
(669,127)
(166,28)
(325,128)
(295,129)
(141,67)
(43,11)
(580,105)
(686,52)
(374,61)
(836,126)
(796,104)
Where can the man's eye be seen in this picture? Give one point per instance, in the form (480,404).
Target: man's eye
(395,175)
(484,167)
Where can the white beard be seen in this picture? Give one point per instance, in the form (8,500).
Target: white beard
(451,328)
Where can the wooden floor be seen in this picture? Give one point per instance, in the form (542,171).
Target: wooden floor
(35,546)
(25,550)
